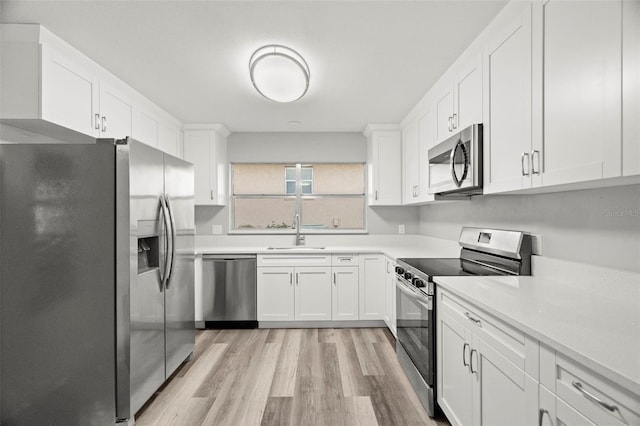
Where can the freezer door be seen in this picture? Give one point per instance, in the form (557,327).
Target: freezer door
(147,234)
(179,293)
(57,218)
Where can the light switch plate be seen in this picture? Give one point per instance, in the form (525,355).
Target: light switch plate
(216,229)
(400,229)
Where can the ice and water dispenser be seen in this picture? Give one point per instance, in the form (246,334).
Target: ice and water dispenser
(148,246)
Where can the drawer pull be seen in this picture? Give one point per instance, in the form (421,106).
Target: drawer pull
(470,318)
(541,414)
(464,354)
(471,361)
(593,398)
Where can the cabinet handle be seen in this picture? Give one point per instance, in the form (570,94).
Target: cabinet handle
(290,278)
(104,123)
(212,194)
(376,194)
(471,361)
(470,318)
(535,153)
(96,122)
(464,354)
(334,278)
(297,280)
(541,414)
(417,190)
(593,398)
(453,121)
(449,124)
(524,173)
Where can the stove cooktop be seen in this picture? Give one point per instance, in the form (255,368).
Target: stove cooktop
(449,267)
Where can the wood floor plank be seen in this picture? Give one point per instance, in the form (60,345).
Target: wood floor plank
(361,411)
(353,381)
(277,411)
(284,380)
(367,357)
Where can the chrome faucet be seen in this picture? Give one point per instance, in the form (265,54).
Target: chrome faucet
(300,239)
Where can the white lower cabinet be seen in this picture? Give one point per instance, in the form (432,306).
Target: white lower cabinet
(390,297)
(312,293)
(484,368)
(372,280)
(344,294)
(308,288)
(275,294)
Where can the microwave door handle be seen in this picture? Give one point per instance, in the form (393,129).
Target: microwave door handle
(173,240)
(452,163)
(165,220)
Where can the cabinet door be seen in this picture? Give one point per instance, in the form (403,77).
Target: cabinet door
(116,112)
(444,113)
(582,91)
(631,88)
(69,92)
(467,108)
(387,168)
(411,162)
(199,149)
(372,279)
(506,395)
(455,380)
(390,297)
(344,293)
(169,139)
(427,135)
(275,294)
(312,293)
(507,119)
(145,128)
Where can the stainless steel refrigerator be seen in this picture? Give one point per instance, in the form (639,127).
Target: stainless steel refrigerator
(96,279)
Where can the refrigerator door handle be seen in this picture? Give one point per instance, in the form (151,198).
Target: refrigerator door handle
(172,239)
(164,275)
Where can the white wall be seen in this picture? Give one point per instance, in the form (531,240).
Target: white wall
(305,147)
(598,226)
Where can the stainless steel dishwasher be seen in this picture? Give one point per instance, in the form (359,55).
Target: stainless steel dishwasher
(229,291)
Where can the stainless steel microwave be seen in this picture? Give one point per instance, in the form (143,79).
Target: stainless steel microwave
(455,165)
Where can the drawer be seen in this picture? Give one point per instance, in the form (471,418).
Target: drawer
(509,342)
(294,260)
(344,260)
(596,398)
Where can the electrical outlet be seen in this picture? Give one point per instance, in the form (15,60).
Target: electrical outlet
(400,229)
(216,229)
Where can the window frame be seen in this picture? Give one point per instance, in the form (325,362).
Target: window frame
(298,202)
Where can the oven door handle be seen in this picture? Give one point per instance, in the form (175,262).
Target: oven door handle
(406,289)
(425,302)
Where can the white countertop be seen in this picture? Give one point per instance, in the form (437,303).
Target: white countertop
(597,323)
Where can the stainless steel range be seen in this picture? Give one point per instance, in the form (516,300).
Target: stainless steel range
(484,252)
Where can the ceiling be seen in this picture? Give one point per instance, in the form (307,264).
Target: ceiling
(370,61)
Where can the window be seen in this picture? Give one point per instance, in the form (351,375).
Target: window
(306,179)
(328,197)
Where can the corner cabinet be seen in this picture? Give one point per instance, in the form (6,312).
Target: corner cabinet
(487,369)
(384,165)
(206,147)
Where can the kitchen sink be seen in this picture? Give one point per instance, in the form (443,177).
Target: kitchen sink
(296,248)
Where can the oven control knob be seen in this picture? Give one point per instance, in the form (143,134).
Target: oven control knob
(419,283)
(399,270)
(408,276)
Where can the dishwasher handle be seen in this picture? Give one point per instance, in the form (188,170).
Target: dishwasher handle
(228,256)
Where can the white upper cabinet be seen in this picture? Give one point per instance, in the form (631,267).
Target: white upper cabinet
(49,87)
(418,136)
(384,165)
(582,44)
(206,147)
(508,143)
(458,97)
(631,88)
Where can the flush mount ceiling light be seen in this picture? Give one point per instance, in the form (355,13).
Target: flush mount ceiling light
(279,73)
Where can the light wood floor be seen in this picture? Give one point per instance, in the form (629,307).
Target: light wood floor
(289,377)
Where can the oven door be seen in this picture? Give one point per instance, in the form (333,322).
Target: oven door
(416,325)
